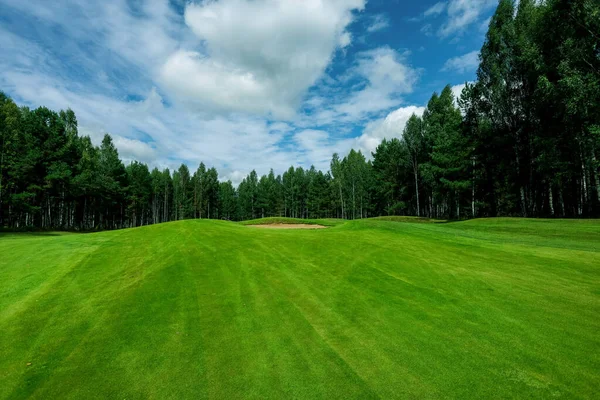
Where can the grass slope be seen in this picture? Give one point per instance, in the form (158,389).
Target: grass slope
(367,309)
(284,220)
(393,218)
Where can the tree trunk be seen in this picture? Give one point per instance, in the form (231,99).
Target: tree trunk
(521,189)
(457,206)
(473,192)
(430,206)
(417,190)
(595,172)
(166,207)
(584,184)
(341,200)
(550,200)
(353,201)
(1,169)
(523,203)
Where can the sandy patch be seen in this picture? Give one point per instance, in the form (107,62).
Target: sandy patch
(289,226)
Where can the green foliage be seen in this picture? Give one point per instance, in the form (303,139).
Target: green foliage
(227,200)
(390,173)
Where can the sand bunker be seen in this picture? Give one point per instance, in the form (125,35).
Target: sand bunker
(289,226)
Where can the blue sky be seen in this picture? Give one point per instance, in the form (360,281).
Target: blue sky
(238,84)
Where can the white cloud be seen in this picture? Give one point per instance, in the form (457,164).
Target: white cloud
(436,9)
(393,124)
(462,13)
(201,81)
(236,177)
(261,55)
(378,23)
(388,75)
(384,76)
(431,12)
(389,127)
(315,147)
(463,64)
(133,149)
(426,30)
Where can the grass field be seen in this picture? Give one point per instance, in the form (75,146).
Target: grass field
(279,220)
(495,308)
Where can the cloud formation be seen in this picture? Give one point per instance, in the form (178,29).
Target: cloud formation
(389,127)
(379,22)
(379,78)
(435,9)
(237,84)
(260,56)
(462,64)
(460,14)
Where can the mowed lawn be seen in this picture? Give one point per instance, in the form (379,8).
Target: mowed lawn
(496,308)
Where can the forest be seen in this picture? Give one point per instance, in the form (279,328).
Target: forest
(522,140)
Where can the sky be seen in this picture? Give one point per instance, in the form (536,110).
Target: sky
(239,84)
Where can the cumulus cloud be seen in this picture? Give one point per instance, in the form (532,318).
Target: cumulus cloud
(389,127)
(206,83)
(133,149)
(261,55)
(463,64)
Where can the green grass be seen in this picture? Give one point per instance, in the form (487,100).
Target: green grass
(500,308)
(284,220)
(408,219)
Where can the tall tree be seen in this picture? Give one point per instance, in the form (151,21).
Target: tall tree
(211,192)
(413,139)
(112,181)
(391,174)
(199,181)
(227,200)
(337,173)
(139,193)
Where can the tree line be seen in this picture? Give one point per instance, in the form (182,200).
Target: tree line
(522,140)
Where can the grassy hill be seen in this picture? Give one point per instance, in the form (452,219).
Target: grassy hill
(498,308)
(282,220)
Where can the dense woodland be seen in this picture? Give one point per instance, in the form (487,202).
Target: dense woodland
(523,140)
